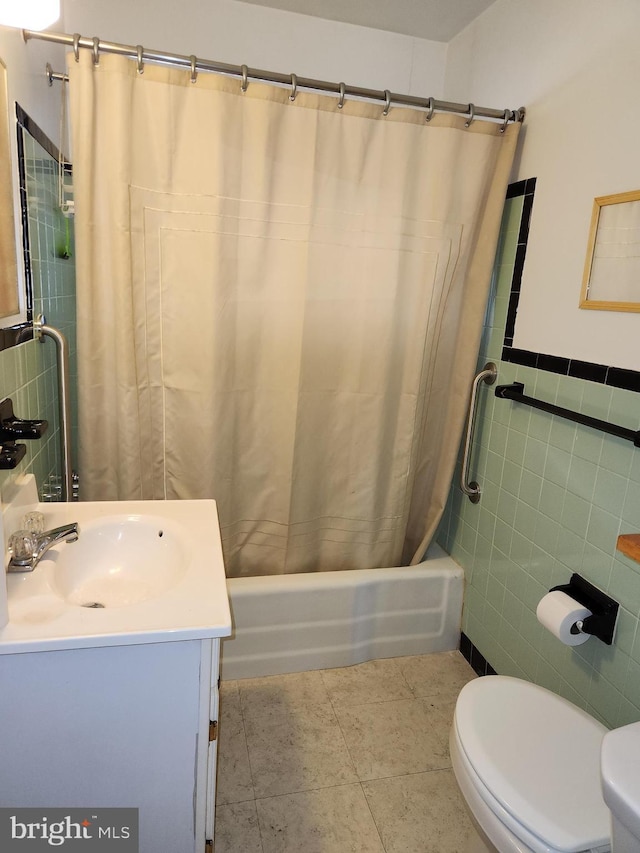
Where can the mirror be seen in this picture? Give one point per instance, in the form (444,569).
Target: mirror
(611,280)
(9,299)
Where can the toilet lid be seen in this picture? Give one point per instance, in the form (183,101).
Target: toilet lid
(539,756)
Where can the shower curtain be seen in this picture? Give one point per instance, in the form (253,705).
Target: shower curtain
(279,307)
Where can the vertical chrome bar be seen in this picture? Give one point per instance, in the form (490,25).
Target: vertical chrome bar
(41,330)
(487,375)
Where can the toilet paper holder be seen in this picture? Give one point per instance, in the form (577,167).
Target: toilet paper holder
(604,610)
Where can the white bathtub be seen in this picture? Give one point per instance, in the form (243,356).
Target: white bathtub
(291,623)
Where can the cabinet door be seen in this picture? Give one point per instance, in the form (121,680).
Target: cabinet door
(106,727)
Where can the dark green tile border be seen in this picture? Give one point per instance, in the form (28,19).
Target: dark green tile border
(476,659)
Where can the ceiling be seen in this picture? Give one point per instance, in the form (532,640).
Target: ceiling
(438,20)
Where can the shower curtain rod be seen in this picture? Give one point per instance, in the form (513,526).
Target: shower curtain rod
(195,64)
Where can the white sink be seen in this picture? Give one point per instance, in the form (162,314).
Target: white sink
(118,561)
(140,571)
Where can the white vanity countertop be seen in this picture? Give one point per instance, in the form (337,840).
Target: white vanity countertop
(192,604)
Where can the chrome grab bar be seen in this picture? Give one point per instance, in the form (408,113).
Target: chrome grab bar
(41,330)
(488,375)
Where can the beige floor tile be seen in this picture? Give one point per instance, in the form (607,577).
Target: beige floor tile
(295,748)
(295,689)
(299,743)
(422,813)
(331,820)
(372,681)
(234,772)
(443,708)
(394,738)
(237,829)
(442,674)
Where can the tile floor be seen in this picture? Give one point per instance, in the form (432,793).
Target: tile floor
(351,760)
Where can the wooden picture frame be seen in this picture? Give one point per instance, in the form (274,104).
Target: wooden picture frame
(611,280)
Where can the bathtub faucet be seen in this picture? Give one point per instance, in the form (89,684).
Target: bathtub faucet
(27,549)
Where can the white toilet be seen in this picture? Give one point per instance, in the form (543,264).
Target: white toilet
(528,765)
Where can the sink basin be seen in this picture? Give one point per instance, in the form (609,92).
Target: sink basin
(118,561)
(140,572)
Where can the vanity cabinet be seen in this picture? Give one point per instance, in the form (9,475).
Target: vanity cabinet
(116,726)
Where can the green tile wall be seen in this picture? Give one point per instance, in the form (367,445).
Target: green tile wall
(28,373)
(555,496)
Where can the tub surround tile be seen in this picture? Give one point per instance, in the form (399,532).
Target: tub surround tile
(474,657)
(623,586)
(421,813)
(588,493)
(610,491)
(332,820)
(587,370)
(28,371)
(614,377)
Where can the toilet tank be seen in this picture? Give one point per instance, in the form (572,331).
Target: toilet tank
(620,770)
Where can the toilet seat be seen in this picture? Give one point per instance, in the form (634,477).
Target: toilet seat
(504,726)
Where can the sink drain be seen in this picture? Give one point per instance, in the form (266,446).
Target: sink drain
(94,604)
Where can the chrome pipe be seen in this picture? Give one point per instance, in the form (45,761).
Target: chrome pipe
(487,375)
(142,55)
(41,330)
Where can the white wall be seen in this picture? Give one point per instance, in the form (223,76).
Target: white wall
(26,78)
(575,65)
(269,39)
(223,30)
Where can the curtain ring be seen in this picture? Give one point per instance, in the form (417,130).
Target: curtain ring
(96,50)
(76,46)
(140,62)
(341,90)
(387,102)
(507,116)
(432,106)
(294,87)
(472,114)
(245,78)
(194,73)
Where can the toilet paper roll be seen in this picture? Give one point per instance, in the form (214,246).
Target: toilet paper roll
(558,612)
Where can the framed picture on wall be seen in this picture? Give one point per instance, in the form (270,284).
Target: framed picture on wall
(611,280)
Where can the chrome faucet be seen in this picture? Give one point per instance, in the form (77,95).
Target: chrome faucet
(29,548)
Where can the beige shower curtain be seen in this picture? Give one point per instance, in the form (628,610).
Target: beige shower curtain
(279,306)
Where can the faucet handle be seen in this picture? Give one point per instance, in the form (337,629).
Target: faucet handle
(22,547)
(33,522)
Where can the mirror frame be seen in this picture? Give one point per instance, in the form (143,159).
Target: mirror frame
(21,332)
